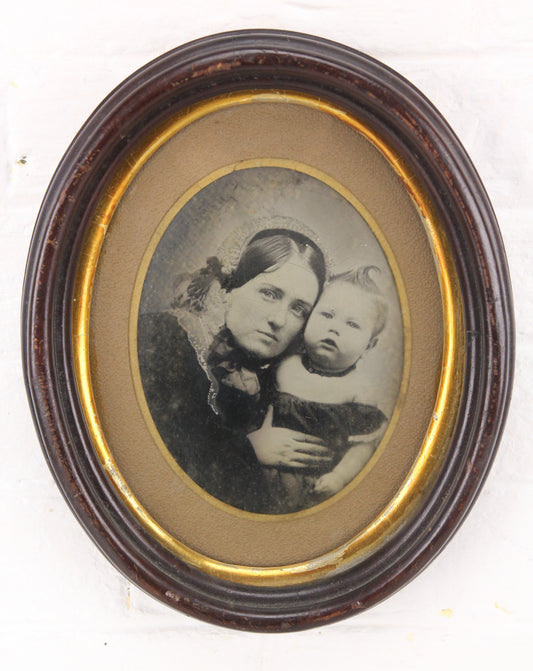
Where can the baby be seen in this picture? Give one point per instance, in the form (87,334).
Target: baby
(316,391)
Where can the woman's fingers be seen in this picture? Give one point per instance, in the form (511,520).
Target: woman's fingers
(312,456)
(311,448)
(283,448)
(305,438)
(306,462)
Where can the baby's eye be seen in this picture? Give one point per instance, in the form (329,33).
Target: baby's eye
(327,315)
(353,325)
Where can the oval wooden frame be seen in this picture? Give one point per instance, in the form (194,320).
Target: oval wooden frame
(408,123)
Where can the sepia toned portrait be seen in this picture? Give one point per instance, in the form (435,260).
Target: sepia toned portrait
(269,338)
(268,334)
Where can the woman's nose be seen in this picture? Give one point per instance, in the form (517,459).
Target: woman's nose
(277,317)
(334,329)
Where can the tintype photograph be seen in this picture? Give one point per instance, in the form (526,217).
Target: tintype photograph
(270,338)
(268,334)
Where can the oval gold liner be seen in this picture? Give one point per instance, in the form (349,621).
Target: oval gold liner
(134,313)
(436,442)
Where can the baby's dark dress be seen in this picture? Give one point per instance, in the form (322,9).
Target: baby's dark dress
(334,423)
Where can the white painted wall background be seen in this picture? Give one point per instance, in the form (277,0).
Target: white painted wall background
(63,604)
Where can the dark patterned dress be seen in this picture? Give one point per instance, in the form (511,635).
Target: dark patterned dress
(292,489)
(183,404)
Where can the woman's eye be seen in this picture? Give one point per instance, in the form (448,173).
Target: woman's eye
(353,325)
(299,310)
(268,293)
(327,315)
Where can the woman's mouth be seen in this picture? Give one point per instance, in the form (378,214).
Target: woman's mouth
(269,335)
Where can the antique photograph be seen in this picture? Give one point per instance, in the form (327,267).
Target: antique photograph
(269,339)
(267,334)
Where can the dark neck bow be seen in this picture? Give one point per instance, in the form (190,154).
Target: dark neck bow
(232,366)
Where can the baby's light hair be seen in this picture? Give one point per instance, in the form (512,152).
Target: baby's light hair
(362,278)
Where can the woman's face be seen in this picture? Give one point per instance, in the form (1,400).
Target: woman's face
(266,313)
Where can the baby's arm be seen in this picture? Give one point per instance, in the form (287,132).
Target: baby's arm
(361,448)
(345,471)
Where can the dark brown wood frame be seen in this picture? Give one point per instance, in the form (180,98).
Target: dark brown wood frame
(414,129)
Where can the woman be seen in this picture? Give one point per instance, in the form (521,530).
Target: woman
(203,399)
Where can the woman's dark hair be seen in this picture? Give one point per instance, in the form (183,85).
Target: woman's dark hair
(271,248)
(267,250)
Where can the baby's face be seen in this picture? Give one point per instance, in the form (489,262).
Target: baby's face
(340,327)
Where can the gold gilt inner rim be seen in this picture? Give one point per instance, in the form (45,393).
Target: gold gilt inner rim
(425,469)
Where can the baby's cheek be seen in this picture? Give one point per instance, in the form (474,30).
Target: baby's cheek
(310,334)
(310,346)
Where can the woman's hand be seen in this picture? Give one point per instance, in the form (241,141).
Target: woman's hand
(278,447)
